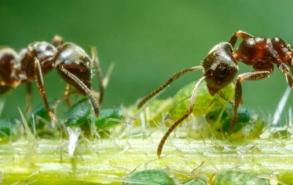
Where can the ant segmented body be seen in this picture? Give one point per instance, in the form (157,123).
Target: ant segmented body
(220,68)
(31,63)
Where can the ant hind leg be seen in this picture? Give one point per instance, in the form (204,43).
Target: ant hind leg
(286,71)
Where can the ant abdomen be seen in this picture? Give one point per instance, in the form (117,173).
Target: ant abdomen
(75,60)
(9,69)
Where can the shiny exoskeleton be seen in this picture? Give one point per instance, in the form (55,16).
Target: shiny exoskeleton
(31,63)
(220,68)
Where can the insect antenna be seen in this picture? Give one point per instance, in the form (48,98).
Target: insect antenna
(178,121)
(166,84)
(89,93)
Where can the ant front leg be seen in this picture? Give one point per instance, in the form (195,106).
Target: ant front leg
(256,75)
(166,84)
(182,118)
(40,83)
(66,95)
(286,71)
(239,35)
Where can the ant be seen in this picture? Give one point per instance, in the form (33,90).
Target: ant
(220,68)
(38,58)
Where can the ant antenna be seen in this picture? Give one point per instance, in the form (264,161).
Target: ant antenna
(89,93)
(177,122)
(167,83)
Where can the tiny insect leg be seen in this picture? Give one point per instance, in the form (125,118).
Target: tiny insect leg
(256,75)
(286,71)
(95,104)
(239,35)
(66,94)
(183,117)
(99,73)
(166,84)
(28,97)
(40,85)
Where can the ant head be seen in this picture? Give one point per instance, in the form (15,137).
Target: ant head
(220,67)
(74,59)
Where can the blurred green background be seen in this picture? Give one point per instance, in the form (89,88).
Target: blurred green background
(148,40)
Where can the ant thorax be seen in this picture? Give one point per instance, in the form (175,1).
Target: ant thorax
(44,52)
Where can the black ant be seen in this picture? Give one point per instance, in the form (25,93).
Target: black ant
(220,68)
(31,63)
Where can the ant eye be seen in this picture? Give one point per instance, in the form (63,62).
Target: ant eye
(222,71)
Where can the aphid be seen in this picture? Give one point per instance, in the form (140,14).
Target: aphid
(31,63)
(220,68)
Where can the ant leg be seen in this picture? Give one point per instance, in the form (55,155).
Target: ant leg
(256,75)
(28,97)
(183,117)
(40,84)
(87,91)
(285,70)
(66,95)
(100,76)
(166,84)
(239,35)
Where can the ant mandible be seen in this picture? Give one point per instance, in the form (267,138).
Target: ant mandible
(31,63)
(220,68)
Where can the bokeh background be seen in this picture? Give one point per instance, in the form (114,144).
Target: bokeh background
(148,40)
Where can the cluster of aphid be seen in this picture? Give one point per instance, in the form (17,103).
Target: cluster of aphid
(38,58)
(219,69)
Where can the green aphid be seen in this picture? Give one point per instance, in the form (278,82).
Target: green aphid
(78,114)
(280,133)
(40,117)
(109,118)
(204,101)
(158,111)
(247,125)
(224,116)
(149,177)
(230,177)
(7,128)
